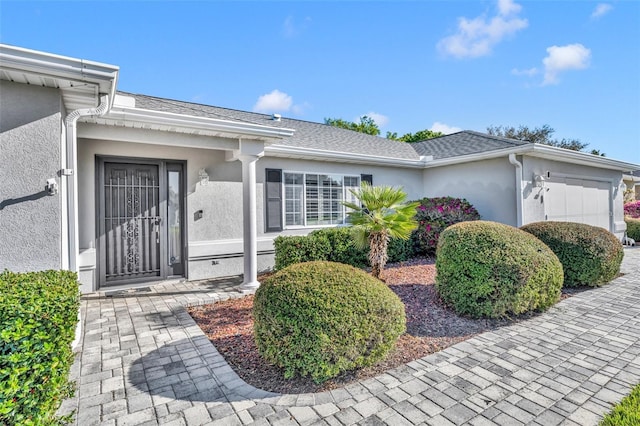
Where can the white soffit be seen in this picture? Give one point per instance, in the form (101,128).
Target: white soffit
(80,81)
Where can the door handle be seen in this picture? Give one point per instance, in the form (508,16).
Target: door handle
(156,225)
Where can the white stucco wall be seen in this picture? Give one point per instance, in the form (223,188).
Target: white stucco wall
(533,203)
(30,138)
(489,185)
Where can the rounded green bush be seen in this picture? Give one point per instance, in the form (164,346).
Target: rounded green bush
(319,319)
(487,269)
(633,228)
(590,255)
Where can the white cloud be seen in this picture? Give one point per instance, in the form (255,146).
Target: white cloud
(444,128)
(476,37)
(276,101)
(380,119)
(601,10)
(529,73)
(290,28)
(564,58)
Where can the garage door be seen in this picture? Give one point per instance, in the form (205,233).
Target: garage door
(578,200)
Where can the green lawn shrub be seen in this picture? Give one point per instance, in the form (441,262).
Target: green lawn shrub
(487,269)
(38,316)
(319,319)
(633,228)
(434,215)
(590,255)
(626,412)
(333,245)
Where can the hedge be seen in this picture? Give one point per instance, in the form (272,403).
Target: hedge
(38,316)
(633,228)
(333,245)
(487,269)
(590,255)
(320,319)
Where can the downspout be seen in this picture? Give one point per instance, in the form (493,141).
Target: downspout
(518,165)
(69,186)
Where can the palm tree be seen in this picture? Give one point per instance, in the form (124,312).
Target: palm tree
(381,214)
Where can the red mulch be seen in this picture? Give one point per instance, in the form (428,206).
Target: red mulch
(431,327)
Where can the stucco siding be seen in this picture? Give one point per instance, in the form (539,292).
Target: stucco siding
(533,197)
(489,185)
(30,137)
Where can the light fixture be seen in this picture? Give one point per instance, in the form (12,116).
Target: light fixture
(538,181)
(204,177)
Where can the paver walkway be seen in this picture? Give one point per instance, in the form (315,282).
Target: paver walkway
(145,361)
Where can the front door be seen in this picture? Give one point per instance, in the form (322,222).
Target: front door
(141,221)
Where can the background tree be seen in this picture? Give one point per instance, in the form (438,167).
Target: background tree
(542,135)
(381,213)
(366,125)
(418,136)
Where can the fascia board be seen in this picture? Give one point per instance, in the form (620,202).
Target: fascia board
(487,155)
(60,67)
(322,155)
(145,116)
(581,158)
(542,151)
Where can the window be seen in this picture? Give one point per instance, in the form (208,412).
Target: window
(312,199)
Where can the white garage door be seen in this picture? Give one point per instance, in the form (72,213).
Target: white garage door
(578,200)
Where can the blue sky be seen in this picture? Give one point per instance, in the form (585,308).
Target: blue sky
(441,65)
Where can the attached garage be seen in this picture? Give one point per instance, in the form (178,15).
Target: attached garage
(579,200)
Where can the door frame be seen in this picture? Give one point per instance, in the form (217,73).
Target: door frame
(162,205)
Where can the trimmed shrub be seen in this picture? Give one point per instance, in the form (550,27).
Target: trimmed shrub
(632,209)
(590,255)
(342,247)
(319,319)
(633,228)
(487,269)
(434,215)
(38,316)
(400,250)
(296,249)
(333,245)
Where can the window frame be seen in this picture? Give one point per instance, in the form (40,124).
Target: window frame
(305,225)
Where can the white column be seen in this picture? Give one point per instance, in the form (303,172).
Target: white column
(250,228)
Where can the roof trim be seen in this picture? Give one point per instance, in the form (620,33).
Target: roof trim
(542,151)
(162,118)
(29,61)
(355,158)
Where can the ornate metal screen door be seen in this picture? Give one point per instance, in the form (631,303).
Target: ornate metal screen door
(132,221)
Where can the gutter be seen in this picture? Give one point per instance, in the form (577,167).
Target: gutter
(163,118)
(350,157)
(519,201)
(69,182)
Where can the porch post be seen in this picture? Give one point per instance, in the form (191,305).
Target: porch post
(250,228)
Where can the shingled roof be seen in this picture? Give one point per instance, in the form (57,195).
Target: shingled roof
(307,134)
(463,143)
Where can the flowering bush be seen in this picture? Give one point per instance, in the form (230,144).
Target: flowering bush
(632,209)
(436,214)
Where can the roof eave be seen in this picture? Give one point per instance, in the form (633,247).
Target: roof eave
(581,158)
(350,157)
(162,118)
(542,151)
(58,67)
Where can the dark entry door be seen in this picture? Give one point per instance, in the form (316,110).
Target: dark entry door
(132,222)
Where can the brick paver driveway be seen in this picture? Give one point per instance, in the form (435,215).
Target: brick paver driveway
(144,361)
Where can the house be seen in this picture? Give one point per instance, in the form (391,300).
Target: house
(127,188)
(632,180)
